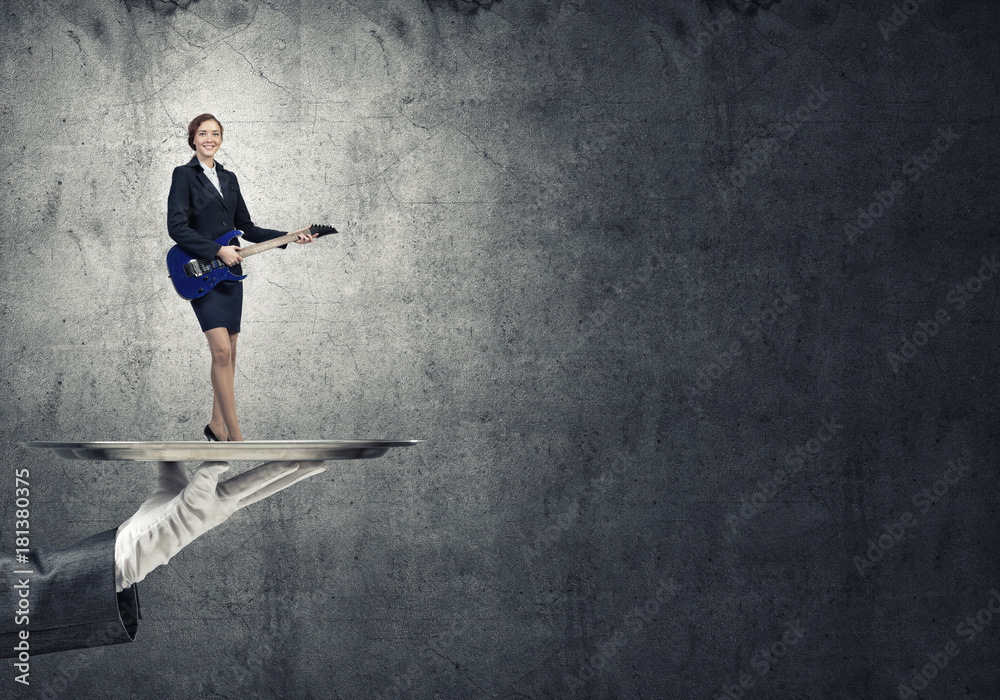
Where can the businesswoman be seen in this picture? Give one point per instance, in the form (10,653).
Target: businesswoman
(204,203)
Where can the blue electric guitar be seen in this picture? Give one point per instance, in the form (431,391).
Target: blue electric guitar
(195,278)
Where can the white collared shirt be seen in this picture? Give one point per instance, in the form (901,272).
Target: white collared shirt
(212,176)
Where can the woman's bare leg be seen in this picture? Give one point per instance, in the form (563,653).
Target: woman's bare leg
(222,345)
(232,364)
(217,425)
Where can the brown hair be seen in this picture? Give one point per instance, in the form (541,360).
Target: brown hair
(198,121)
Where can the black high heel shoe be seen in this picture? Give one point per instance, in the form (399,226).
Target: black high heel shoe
(210,435)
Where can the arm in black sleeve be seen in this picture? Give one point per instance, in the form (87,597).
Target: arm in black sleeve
(251,232)
(71,599)
(179,205)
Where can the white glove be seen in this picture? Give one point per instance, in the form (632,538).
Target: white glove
(178,512)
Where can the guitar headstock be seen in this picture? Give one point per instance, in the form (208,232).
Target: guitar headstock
(321,230)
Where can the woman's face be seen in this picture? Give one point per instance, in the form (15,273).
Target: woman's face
(208,140)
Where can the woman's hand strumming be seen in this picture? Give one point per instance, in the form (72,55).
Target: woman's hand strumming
(229,254)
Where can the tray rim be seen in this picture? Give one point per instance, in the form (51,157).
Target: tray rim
(193,450)
(92,444)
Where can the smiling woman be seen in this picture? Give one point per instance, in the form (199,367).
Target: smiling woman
(204,203)
(205,138)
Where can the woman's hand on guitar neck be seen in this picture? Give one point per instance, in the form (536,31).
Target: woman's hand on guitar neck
(305,236)
(229,254)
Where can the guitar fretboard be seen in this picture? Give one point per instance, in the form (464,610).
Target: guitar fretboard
(249,250)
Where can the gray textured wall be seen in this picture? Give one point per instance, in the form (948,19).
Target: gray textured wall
(600,255)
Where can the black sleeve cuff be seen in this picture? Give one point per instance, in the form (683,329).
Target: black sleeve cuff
(73,603)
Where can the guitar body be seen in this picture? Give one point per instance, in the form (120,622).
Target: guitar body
(194,278)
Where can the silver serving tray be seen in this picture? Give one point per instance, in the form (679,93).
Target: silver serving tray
(222,451)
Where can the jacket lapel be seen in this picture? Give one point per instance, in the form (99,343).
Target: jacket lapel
(203,178)
(223,181)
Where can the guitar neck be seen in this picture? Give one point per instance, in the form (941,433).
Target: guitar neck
(247,251)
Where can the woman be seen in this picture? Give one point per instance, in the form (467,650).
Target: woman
(204,203)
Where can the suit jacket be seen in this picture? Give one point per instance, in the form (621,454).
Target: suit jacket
(197,214)
(71,599)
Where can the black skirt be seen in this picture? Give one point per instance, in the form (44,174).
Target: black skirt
(220,308)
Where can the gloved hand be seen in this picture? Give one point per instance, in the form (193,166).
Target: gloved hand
(178,511)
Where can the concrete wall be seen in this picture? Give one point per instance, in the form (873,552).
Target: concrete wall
(600,256)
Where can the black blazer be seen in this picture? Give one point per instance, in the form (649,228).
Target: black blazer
(197,215)
(71,599)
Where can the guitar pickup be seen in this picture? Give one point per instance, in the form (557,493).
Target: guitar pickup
(196,268)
